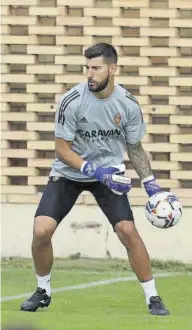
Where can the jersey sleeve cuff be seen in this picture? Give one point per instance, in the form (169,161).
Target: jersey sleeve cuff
(65,137)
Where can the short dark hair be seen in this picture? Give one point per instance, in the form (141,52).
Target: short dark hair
(102,49)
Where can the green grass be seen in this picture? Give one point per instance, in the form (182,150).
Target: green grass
(119,306)
(75,263)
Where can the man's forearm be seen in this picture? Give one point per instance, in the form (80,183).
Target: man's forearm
(71,158)
(139,159)
(66,155)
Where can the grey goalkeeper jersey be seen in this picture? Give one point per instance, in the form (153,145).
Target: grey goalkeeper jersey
(99,128)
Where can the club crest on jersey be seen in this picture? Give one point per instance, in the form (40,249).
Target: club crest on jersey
(117,118)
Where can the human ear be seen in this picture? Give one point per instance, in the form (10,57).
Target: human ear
(112,69)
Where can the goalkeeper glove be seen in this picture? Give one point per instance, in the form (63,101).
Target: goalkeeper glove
(151,185)
(109,176)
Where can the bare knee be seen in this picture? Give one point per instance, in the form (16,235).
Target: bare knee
(43,230)
(127,233)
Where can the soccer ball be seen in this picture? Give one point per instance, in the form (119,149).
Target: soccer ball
(163,210)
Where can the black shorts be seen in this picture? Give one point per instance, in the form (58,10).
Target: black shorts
(60,195)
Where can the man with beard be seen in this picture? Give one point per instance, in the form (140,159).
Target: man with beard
(96,122)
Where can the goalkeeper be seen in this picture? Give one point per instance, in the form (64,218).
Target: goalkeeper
(95,123)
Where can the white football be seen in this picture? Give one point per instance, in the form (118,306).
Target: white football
(163,210)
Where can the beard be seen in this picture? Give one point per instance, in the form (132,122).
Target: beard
(98,86)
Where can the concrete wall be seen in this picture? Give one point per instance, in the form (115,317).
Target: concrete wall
(86,231)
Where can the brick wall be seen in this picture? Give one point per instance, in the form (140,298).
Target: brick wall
(43,43)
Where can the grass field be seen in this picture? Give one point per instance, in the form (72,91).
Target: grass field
(117,306)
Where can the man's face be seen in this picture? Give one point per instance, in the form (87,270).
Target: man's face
(98,74)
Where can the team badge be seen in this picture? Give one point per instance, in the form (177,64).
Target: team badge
(117,118)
